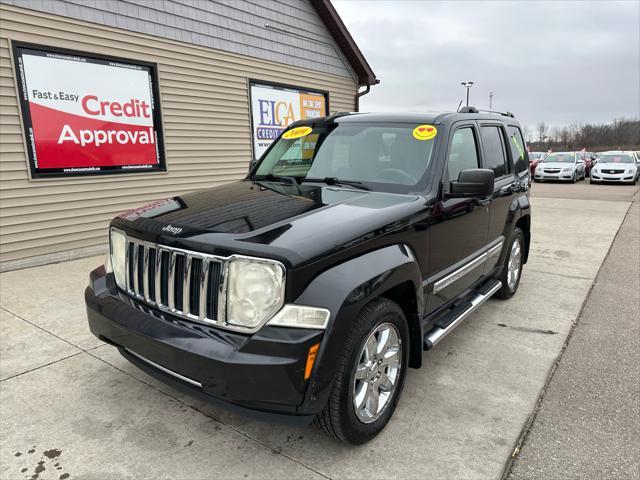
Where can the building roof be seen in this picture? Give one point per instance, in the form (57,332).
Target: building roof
(345,41)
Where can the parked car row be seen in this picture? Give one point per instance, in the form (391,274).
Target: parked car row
(613,166)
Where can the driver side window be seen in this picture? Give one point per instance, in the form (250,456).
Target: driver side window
(463,154)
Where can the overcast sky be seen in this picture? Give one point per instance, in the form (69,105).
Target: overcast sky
(557,61)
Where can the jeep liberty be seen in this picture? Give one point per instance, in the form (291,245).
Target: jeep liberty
(305,291)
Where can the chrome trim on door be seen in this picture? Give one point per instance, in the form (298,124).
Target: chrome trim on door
(164,369)
(466,268)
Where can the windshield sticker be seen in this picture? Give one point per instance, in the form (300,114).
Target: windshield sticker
(424,132)
(297,132)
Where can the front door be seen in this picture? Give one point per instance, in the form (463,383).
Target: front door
(459,228)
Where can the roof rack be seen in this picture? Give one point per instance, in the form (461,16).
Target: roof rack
(475,110)
(506,114)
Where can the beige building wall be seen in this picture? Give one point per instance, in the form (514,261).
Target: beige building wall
(205,111)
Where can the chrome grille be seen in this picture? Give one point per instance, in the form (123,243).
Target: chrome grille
(185,283)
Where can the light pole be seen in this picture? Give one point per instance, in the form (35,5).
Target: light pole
(467,85)
(490,100)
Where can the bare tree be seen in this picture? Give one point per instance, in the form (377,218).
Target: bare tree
(542,131)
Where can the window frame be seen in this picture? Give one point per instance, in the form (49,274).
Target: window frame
(446,181)
(510,168)
(527,153)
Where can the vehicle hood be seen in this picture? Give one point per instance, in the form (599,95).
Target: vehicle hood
(295,224)
(556,165)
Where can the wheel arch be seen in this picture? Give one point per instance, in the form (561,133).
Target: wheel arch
(391,272)
(524,223)
(404,295)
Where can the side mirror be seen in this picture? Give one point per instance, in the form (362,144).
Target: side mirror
(476,182)
(252,164)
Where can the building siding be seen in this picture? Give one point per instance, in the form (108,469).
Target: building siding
(204,101)
(297,36)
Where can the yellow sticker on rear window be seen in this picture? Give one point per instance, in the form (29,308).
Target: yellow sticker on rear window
(297,132)
(424,132)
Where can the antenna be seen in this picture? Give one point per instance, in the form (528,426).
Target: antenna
(459,105)
(490,100)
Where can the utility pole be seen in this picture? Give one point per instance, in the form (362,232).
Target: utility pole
(490,100)
(467,85)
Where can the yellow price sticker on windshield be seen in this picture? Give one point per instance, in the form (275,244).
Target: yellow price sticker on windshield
(297,132)
(424,132)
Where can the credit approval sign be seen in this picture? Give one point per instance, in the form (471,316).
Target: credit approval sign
(274,107)
(88,114)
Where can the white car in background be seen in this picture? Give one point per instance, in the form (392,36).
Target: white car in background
(615,166)
(564,166)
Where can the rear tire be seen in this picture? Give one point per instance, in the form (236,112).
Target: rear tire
(512,269)
(360,371)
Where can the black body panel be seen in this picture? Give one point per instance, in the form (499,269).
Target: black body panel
(342,247)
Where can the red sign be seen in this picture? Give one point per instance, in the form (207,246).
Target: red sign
(88,115)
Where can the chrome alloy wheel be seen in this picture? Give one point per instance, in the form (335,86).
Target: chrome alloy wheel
(377,372)
(515,262)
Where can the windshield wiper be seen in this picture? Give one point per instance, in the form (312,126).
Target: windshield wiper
(336,181)
(277,178)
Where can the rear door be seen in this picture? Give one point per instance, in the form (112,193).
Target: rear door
(458,232)
(506,186)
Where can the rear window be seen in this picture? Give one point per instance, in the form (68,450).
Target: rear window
(495,156)
(518,149)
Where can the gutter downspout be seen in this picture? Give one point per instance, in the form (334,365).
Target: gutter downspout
(363,93)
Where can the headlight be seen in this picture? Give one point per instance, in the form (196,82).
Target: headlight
(568,169)
(255,291)
(118,247)
(301,317)
(631,170)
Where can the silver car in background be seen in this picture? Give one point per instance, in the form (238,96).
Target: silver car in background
(563,166)
(615,166)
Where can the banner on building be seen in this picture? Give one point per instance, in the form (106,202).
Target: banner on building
(88,114)
(274,107)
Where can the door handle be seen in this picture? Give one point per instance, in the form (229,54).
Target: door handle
(507,189)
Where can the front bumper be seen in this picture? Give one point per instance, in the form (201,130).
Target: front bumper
(560,176)
(259,375)
(613,177)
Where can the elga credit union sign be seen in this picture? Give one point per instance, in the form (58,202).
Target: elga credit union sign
(274,107)
(88,115)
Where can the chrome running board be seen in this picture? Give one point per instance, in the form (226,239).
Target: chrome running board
(434,336)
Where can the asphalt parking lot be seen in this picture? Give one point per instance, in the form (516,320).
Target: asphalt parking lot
(71,407)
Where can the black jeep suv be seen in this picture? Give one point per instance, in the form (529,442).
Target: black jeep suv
(306,290)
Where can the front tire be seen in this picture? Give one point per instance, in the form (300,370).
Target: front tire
(512,269)
(369,376)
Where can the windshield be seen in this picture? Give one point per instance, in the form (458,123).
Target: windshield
(608,158)
(389,157)
(560,158)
